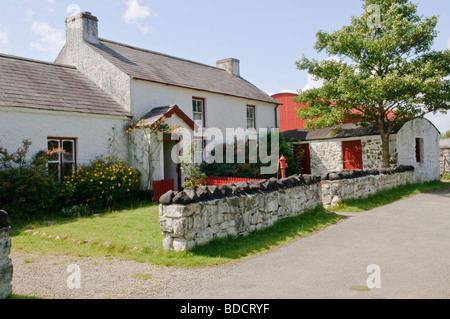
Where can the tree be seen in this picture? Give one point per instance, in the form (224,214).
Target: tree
(446,135)
(381,71)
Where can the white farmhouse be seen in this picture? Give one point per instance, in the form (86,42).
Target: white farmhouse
(125,83)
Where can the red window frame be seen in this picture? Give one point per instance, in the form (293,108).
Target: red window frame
(254,115)
(203,100)
(419,151)
(61,140)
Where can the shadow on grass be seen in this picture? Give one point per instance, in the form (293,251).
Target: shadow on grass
(282,232)
(386,197)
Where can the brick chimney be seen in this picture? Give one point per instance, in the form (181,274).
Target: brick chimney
(82,27)
(230,65)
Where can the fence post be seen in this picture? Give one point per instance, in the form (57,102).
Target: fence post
(6,267)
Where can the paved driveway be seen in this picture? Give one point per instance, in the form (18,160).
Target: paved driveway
(409,240)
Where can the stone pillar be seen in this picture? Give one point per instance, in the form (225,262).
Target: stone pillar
(6,267)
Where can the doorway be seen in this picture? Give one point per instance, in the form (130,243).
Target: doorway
(352,151)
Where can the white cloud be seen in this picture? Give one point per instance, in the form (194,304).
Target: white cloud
(5,45)
(136,13)
(29,14)
(50,40)
(312,83)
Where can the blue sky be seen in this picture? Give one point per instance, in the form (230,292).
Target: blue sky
(266,36)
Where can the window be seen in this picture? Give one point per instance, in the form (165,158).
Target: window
(198,106)
(419,150)
(251,123)
(63,159)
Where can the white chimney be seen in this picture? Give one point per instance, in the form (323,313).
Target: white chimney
(82,27)
(230,65)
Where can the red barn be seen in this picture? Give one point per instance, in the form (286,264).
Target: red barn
(289,119)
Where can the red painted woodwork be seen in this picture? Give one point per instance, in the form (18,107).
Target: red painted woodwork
(219,181)
(162,187)
(352,151)
(305,161)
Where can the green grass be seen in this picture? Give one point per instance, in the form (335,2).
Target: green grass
(445,177)
(134,234)
(387,197)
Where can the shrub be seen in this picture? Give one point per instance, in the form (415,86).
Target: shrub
(102,184)
(27,188)
(253,170)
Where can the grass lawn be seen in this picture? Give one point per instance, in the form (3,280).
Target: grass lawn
(135,234)
(387,196)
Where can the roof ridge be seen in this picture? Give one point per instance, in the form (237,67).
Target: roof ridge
(162,54)
(15,57)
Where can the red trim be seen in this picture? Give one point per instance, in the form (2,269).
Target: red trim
(194,98)
(75,159)
(176,110)
(254,115)
(418,150)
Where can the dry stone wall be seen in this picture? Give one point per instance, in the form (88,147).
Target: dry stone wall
(339,186)
(195,217)
(6,267)
(192,218)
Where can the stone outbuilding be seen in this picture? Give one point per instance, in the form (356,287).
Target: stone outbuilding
(416,143)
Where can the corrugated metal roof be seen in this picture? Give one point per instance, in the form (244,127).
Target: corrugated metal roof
(49,86)
(161,68)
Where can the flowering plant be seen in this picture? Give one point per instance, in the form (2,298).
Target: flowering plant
(102,184)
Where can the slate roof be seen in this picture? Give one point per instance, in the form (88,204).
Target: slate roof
(345,130)
(444,143)
(49,86)
(156,67)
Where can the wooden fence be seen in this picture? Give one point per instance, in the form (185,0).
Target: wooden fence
(219,181)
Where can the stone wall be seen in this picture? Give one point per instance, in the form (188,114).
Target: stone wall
(337,187)
(327,155)
(445,161)
(192,218)
(195,217)
(6,267)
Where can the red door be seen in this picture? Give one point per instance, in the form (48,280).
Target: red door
(305,161)
(352,151)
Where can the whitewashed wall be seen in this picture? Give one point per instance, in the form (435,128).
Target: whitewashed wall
(221,111)
(429,168)
(91,131)
(327,155)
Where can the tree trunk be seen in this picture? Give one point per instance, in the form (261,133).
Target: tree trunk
(385,149)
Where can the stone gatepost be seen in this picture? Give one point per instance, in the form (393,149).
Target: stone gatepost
(6,267)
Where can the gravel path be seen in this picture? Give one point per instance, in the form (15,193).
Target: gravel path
(102,278)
